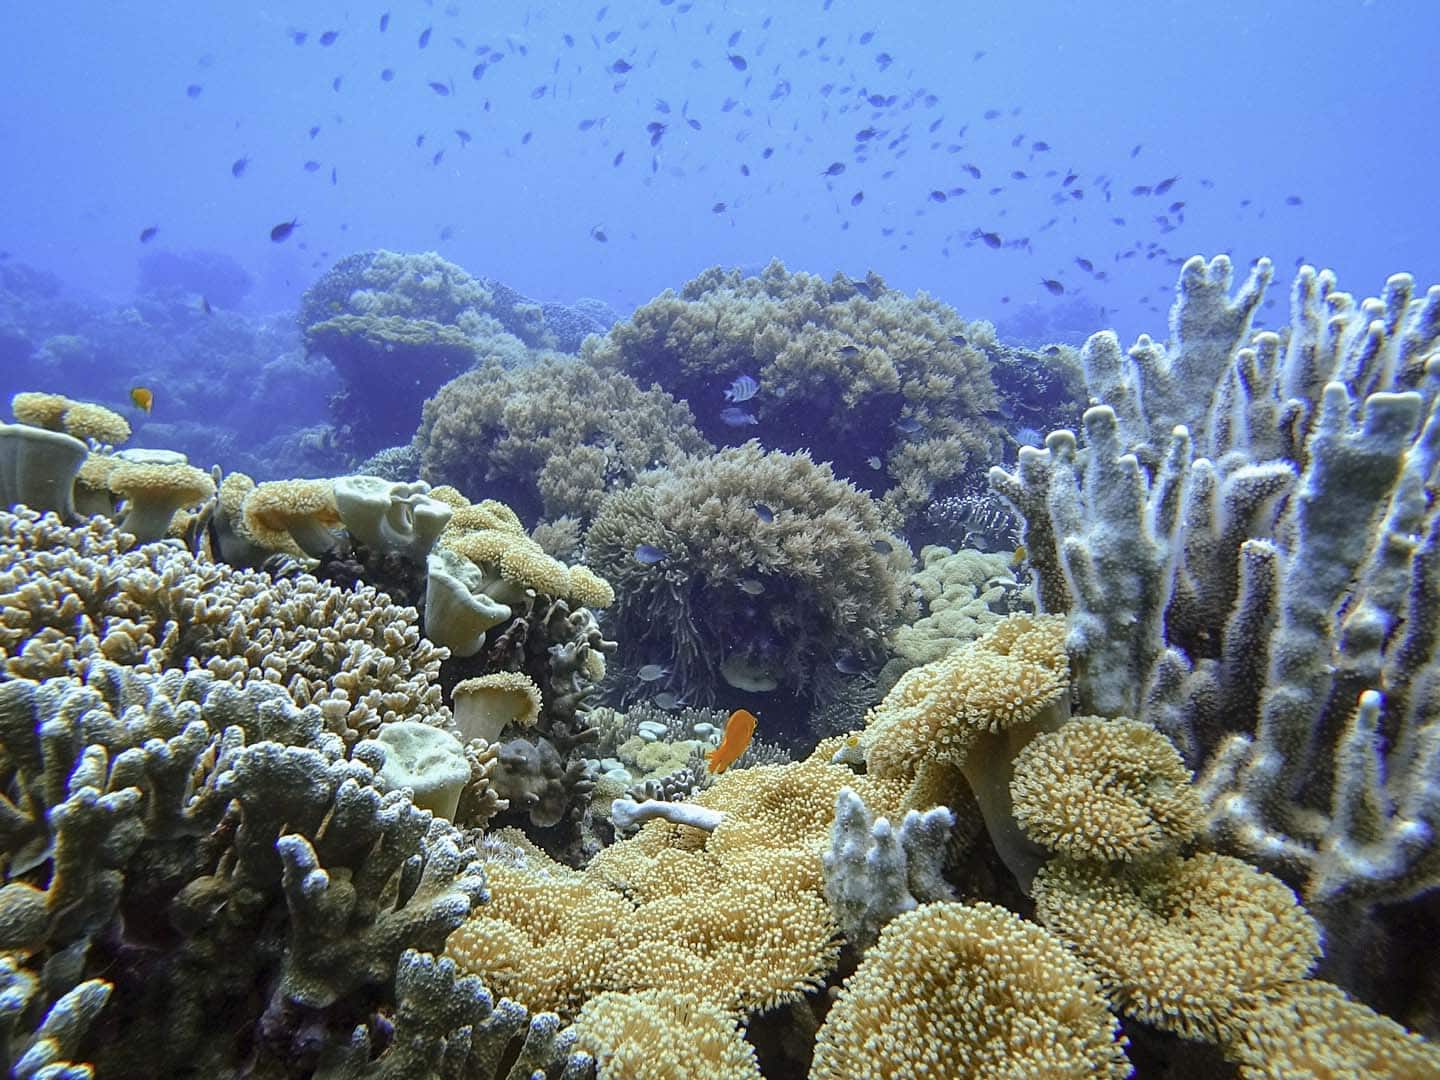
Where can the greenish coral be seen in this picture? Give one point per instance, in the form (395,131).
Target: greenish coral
(551,438)
(964,592)
(742,597)
(847,369)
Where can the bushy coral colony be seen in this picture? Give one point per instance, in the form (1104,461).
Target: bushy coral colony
(442,766)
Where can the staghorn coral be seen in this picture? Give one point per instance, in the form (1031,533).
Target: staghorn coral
(955,990)
(72,597)
(1253,602)
(550,438)
(740,599)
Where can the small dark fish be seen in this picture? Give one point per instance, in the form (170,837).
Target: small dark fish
(194,90)
(649,554)
(908,424)
(237,170)
(1165,185)
(867,37)
(205,306)
(958,339)
(751,586)
(1019,174)
(718,208)
(298,36)
(618,158)
(652,672)
(599,234)
(737,61)
(849,664)
(386,74)
(733,417)
(463,136)
(435,160)
(733,40)
(1085,264)
(979,55)
(335,84)
(1040,147)
(424,37)
(881,547)
(1293,200)
(693,123)
(334,177)
(1053,287)
(477,71)
(525,139)
(883,60)
(835,169)
(764,513)
(992,114)
(419,140)
(312,166)
(148,233)
(938,196)
(991,239)
(849,352)
(857,198)
(972,170)
(281,232)
(1135,150)
(328,37)
(620,67)
(668,700)
(742,389)
(440,88)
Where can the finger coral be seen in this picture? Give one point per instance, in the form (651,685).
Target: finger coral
(970,990)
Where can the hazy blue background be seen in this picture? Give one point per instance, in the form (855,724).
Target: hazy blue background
(1333,101)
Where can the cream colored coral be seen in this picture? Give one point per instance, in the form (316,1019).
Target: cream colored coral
(663,1035)
(1180,943)
(293,516)
(1104,789)
(82,419)
(1010,676)
(956,990)
(588,588)
(154,492)
(1313,1029)
(958,590)
(487,704)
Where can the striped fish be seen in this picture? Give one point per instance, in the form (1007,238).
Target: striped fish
(742,389)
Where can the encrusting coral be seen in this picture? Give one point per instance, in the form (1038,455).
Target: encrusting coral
(846,369)
(550,438)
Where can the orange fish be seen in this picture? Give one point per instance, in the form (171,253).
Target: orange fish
(143,398)
(738,731)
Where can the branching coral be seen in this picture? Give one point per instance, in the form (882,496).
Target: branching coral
(551,438)
(1253,603)
(772,568)
(838,363)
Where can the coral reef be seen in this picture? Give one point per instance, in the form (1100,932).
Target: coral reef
(771,569)
(1246,552)
(549,439)
(848,370)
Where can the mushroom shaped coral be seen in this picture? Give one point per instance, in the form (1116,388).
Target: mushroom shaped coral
(458,611)
(1311,1028)
(426,759)
(487,704)
(294,516)
(974,710)
(1181,943)
(512,564)
(153,493)
(83,420)
(968,990)
(92,486)
(387,516)
(661,1035)
(38,467)
(1112,790)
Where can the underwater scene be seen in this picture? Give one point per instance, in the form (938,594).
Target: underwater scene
(709,540)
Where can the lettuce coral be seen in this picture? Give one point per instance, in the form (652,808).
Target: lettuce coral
(773,570)
(846,369)
(551,438)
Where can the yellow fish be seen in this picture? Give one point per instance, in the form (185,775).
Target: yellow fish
(738,731)
(143,398)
